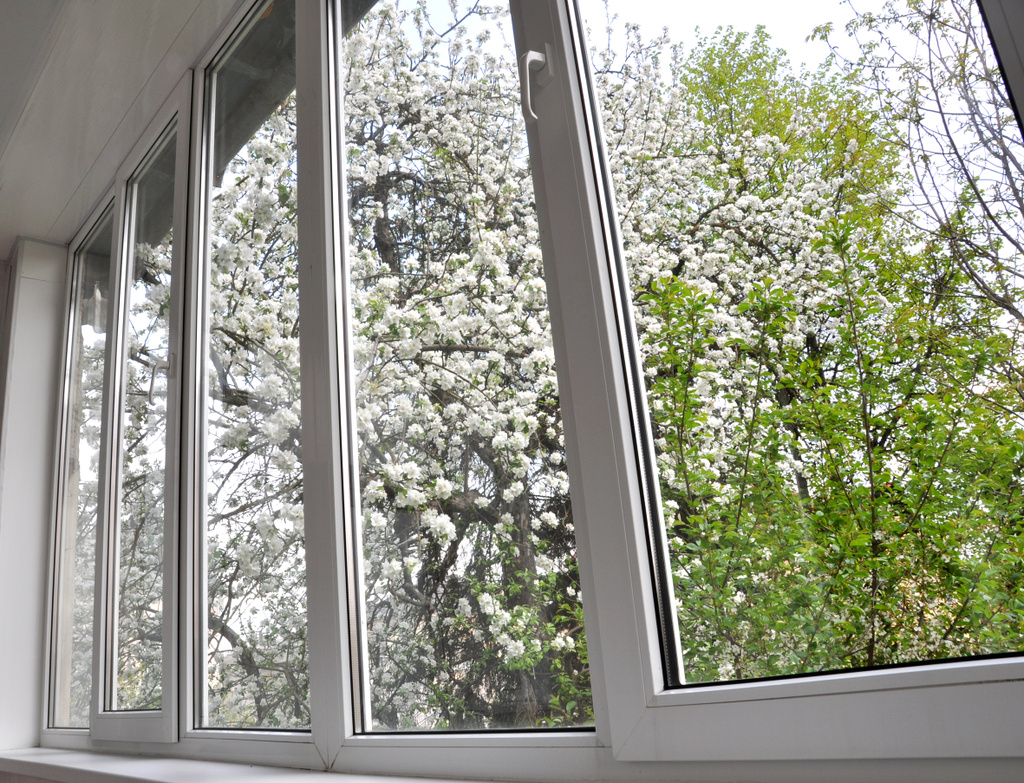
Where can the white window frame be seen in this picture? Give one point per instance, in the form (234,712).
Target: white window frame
(836,724)
(140,725)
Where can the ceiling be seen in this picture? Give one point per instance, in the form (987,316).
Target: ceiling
(25,43)
(26,39)
(80,80)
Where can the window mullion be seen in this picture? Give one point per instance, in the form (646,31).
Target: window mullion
(322,425)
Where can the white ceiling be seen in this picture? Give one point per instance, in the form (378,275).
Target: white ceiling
(79,82)
(25,42)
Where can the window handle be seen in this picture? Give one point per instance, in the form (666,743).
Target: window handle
(533,61)
(161,364)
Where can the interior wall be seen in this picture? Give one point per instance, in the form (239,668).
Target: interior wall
(26,471)
(5,330)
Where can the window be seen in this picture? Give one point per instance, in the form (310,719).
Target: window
(144,502)
(828,367)
(256,662)
(353,366)
(471,609)
(134,663)
(71,692)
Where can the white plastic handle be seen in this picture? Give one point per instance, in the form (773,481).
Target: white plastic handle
(533,61)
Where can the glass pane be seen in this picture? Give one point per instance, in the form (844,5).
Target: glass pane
(472,610)
(144,436)
(256,661)
(825,266)
(76,578)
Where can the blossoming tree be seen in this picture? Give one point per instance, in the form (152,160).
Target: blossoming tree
(835,408)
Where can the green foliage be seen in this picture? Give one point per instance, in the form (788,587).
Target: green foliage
(836,412)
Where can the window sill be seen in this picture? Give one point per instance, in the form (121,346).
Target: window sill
(78,766)
(72,766)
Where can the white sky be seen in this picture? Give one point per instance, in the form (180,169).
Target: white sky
(788,22)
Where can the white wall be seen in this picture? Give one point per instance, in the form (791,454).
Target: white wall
(26,471)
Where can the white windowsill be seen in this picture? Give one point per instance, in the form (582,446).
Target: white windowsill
(73,766)
(77,766)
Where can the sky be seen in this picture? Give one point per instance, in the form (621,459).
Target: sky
(789,22)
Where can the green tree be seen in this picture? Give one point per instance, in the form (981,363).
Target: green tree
(837,438)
